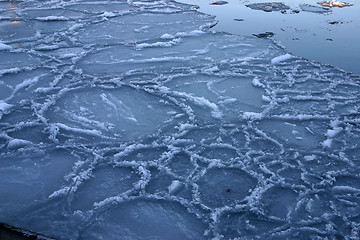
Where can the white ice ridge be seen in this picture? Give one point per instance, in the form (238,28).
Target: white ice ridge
(3,46)
(281,58)
(134,120)
(52,18)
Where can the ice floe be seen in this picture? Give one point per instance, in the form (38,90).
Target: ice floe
(133,120)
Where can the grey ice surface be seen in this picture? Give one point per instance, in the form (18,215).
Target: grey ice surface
(132,120)
(269,6)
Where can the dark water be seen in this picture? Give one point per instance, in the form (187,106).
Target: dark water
(330,38)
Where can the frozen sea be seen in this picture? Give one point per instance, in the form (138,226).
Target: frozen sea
(135,120)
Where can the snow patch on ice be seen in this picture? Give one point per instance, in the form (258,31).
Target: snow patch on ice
(252,116)
(108,14)
(281,58)
(327,143)
(52,18)
(4,106)
(175,186)
(4,46)
(17,143)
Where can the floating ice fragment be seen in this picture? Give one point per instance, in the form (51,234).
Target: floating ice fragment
(158,44)
(219,3)
(52,18)
(26,83)
(17,143)
(211,69)
(334,3)
(327,143)
(264,35)
(76,27)
(91,132)
(266,98)
(167,36)
(4,106)
(185,126)
(333,132)
(4,46)
(269,7)
(190,34)
(345,189)
(256,82)
(228,101)
(175,186)
(314,9)
(47,47)
(309,157)
(108,14)
(281,58)
(10,70)
(59,192)
(252,115)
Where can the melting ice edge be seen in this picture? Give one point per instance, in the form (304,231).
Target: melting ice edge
(134,120)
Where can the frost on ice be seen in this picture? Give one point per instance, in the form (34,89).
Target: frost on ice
(133,119)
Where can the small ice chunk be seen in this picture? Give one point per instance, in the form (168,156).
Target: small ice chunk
(4,46)
(309,157)
(265,98)
(219,3)
(47,47)
(314,9)
(52,18)
(185,126)
(17,143)
(252,116)
(345,189)
(76,27)
(211,70)
(26,83)
(327,143)
(334,3)
(193,33)
(167,36)
(333,132)
(175,186)
(4,106)
(256,82)
(281,58)
(108,14)
(269,6)
(217,114)
(10,70)
(228,101)
(60,192)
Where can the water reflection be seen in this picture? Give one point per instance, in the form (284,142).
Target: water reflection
(12,7)
(331,37)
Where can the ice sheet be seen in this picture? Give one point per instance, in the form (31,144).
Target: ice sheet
(133,120)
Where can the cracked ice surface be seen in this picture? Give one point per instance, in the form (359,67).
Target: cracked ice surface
(134,120)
